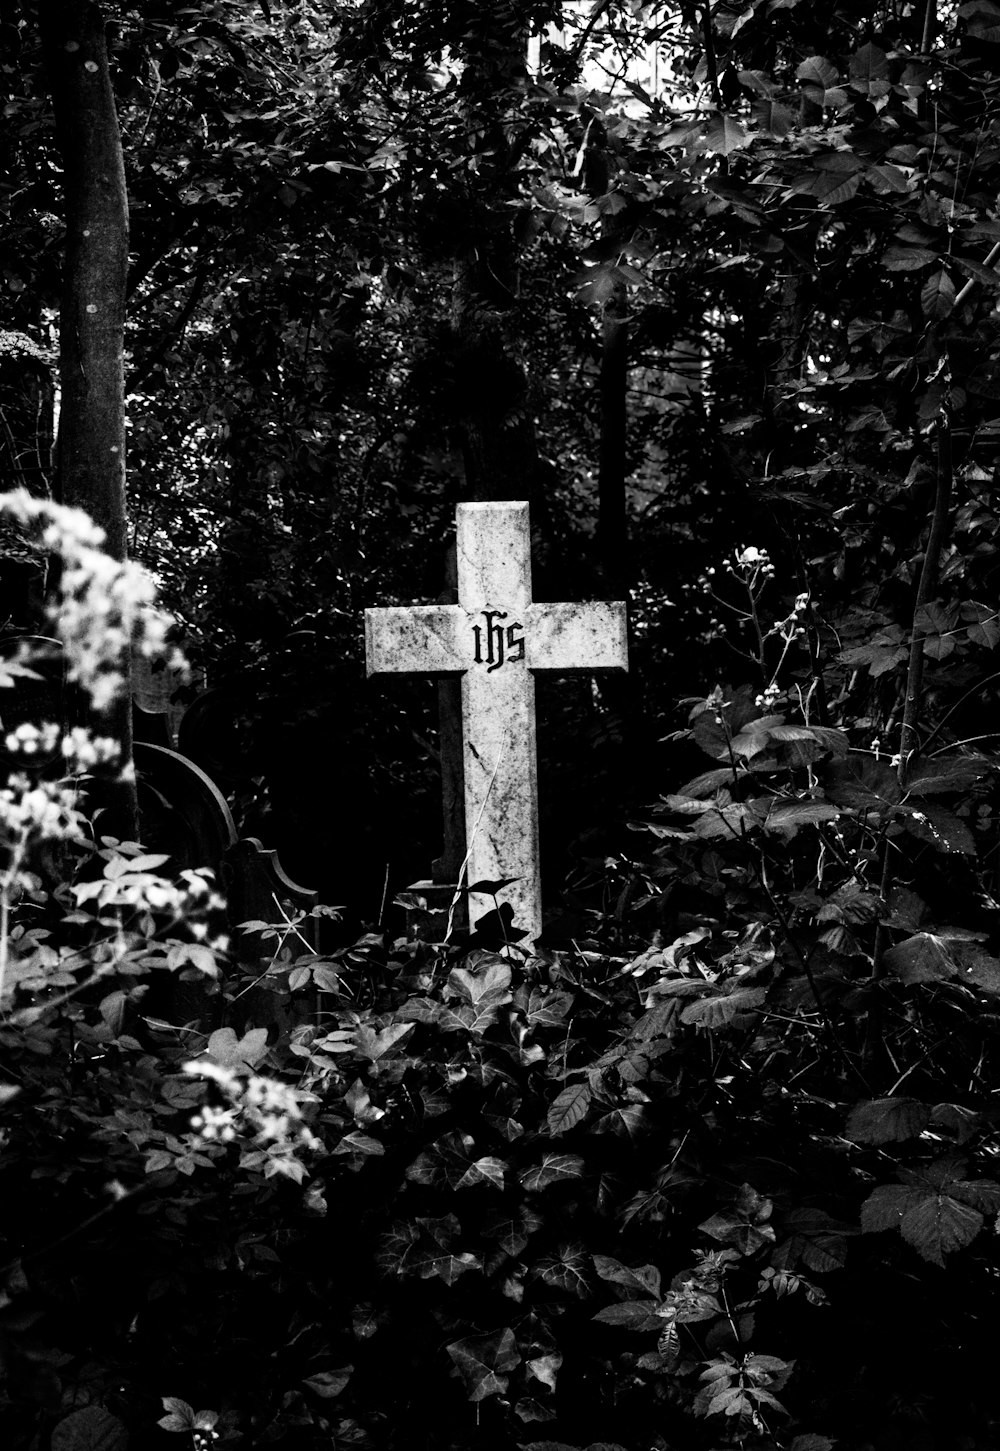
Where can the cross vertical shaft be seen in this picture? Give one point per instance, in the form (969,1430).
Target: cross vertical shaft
(496,638)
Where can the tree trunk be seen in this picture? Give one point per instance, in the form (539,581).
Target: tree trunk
(90,451)
(490,387)
(612,540)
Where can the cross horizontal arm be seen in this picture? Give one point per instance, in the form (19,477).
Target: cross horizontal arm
(576,636)
(416,640)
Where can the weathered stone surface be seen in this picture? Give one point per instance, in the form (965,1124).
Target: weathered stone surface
(495,638)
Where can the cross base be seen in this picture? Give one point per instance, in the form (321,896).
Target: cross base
(429,921)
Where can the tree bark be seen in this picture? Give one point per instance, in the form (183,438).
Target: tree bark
(90,450)
(612,543)
(490,386)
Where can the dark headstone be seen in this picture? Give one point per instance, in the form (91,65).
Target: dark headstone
(182,811)
(214,732)
(258,890)
(156,712)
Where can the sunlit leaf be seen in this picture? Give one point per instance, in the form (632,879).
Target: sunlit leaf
(483,1362)
(570,1107)
(553,1169)
(937,296)
(887,1120)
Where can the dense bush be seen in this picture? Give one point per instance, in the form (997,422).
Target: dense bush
(706,1179)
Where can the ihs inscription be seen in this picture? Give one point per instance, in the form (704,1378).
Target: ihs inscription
(503,644)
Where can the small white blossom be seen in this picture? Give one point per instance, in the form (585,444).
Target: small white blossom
(104,606)
(31,740)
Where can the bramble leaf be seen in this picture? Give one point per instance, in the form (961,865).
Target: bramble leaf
(937,296)
(92,1428)
(645,1278)
(631,1314)
(887,1120)
(570,1107)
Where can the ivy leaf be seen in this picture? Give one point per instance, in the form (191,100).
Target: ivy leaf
(552,1170)
(373,1046)
(447,1267)
(565,1270)
(483,1360)
(357,1143)
(548,1009)
(937,296)
(488,1170)
(530,1408)
(887,1120)
(444,1163)
(490,980)
(570,1107)
(631,1315)
(545,1368)
(626,1120)
(329,1383)
(646,1278)
(486,988)
(513,1231)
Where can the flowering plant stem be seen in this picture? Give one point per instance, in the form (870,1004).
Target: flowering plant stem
(911,705)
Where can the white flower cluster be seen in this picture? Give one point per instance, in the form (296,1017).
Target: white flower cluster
(768,696)
(83,750)
(18,342)
(751,560)
(134,882)
(39,811)
(263,1110)
(80,748)
(104,605)
(31,740)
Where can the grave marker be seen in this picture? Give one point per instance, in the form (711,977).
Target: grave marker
(495,638)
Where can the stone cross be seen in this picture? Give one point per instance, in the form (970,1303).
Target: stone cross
(496,638)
